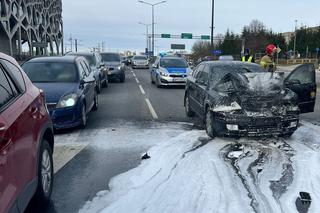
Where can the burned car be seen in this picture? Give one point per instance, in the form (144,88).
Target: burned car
(242,99)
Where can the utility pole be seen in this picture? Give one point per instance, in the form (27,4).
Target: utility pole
(295,38)
(152,5)
(147,37)
(71,42)
(212,25)
(76,44)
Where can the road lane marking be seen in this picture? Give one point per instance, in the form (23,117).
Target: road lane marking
(134,75)
(142,90)
(152,111)
(138,82)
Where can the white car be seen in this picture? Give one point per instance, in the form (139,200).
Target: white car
(140,62)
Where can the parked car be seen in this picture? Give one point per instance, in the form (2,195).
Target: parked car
(116,69)
(170,70)
(226,58)
(26,140)
(140,62)
(69,86)
(97,66)
(242,99)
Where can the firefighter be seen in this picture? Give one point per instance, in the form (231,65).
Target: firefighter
(248,57)
(267,61)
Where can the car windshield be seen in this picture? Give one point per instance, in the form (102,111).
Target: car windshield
(110,57)
(173,63)
(140,58)
(51,72)
(90,58)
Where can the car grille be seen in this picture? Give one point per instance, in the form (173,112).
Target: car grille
(51,106)
(178,76)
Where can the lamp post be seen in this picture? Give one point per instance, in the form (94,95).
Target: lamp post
(295,39)
(152,5)
(147,27)
(212,24)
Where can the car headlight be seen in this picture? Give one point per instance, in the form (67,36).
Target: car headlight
(163,73)
(67,101)
(119,67)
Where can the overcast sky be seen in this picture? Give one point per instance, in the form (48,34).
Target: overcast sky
(116,21)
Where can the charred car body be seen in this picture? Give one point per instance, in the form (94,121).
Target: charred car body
(241,99)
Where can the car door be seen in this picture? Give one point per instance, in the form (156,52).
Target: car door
(302,81)
(89,88)
(155,66)
(192,87)
(202,80)
(9,187)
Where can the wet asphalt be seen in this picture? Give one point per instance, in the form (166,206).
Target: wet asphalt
(91,170)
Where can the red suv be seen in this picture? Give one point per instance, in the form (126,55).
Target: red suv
(26,140)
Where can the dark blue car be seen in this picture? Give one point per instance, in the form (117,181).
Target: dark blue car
(69,87)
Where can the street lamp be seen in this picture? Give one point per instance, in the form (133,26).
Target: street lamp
(152,5)
(212,24)
(147,27)
(295,39)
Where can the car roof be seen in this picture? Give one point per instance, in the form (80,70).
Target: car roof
(9,58)
(111,53)
(229,63)
(82,53)
(171,57)
(68,59)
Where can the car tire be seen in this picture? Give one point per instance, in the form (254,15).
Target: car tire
(157,83)
(83,123)
(45,174)
(209,123)
(152,81)
(96,102)
(98,87)
(122,78)
(189,111)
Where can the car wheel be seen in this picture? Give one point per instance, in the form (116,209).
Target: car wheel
(83,117)
(45,174)
(99,86)
(122,78)
(189,111)
(157,82)
(209,124)
(96,102)
(152,81)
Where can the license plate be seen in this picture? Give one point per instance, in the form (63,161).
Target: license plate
(178,79)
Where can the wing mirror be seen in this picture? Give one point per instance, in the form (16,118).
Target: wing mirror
(88,80)
(102,65)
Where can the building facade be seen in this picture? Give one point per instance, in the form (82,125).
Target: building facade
(31,27)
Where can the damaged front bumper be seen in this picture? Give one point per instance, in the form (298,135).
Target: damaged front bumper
(228,124)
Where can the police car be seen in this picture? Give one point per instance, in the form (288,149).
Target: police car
(170,71)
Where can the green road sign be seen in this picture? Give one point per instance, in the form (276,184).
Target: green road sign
(186,35)
(165,36)
(205,37)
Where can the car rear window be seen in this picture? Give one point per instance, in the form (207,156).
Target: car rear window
(110,57)
(173,63)
(46,72)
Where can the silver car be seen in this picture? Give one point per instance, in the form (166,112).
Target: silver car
(170,71)
(140,62)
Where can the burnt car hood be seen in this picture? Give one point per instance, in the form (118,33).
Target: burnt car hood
(263,93)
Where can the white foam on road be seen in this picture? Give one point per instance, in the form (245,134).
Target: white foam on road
(185,174)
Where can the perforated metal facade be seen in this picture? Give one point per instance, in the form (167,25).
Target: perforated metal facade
(27,26)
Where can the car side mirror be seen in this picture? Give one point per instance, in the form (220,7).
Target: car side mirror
(102,65)
(88,80)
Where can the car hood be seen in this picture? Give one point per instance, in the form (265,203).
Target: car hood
(177,70)
(54,91)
